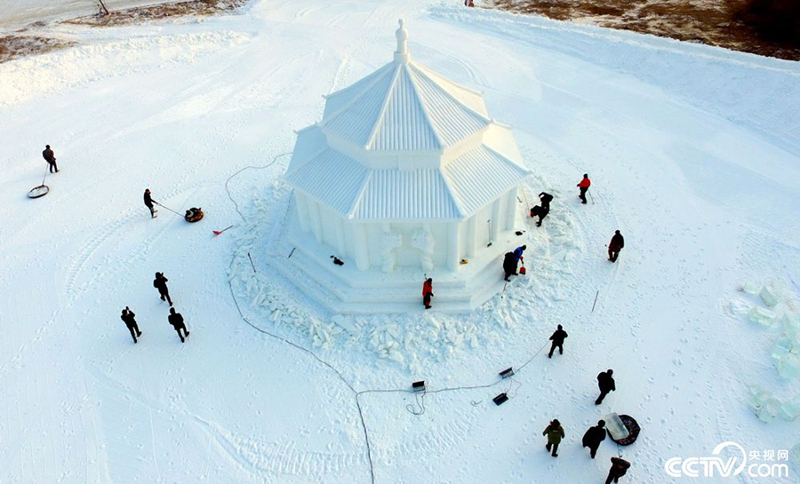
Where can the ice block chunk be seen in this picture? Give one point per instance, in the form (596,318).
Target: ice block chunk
(789,366)
(751,288)
(761,316)
(616,428)
(769,411)
(782,348)
(790,411)
(757,398)
(772,293)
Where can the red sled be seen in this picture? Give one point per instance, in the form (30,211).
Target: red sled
(522,270)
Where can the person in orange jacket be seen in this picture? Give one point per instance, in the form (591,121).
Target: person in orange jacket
(584,187)
(427,292)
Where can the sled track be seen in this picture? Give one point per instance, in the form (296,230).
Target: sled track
(79,263)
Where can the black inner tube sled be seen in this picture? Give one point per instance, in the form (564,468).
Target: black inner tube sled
(194,215)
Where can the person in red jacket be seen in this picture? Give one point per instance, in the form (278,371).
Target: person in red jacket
(584,186)
(427,292)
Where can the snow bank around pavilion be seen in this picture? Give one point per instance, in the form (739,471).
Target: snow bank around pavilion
(409,341)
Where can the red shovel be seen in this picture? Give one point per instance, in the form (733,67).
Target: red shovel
(217,232)
(522,270)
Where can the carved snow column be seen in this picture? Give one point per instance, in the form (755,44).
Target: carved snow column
(511,210)
(389,242)
(361,248)
(302,210)
(472,236)
(497,221)
(316,219)
(424,240)
(338,229)
(452,246)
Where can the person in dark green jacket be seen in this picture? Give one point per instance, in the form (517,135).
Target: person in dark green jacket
(554,433)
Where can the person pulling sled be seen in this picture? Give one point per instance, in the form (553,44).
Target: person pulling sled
(50,158)
(619,467)
(594,437)
(148,202)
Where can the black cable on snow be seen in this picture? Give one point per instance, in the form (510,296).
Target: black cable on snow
(262,167)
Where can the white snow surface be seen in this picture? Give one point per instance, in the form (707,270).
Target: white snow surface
(694,153)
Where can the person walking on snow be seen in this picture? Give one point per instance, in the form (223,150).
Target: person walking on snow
(148,202)
(427,292)
(594,436)
(619,467)
(615,246)
(558,338)
(584,187)
(129,318)
(606,383)
(554,433)
(176,320)
(160,283)
(50,158)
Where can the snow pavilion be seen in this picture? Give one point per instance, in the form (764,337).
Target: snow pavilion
(406,174)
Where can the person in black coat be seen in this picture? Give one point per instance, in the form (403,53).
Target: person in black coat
(148,202)
(50,158)
(544,209)
(160,283)
(176,320)
(129,318)
(540,212)
(606,383)
(545,198)
(510,265)
(558,338)
(615,246)
(594,436)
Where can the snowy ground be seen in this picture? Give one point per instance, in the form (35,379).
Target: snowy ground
(694,153)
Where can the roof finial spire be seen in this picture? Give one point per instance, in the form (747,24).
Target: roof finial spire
(401,55)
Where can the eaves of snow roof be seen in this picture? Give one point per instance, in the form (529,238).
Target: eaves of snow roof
(332,178)
(454,192)
(392,195)
(310,142)
(479,176)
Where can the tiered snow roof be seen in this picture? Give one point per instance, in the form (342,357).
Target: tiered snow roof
(352,161)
